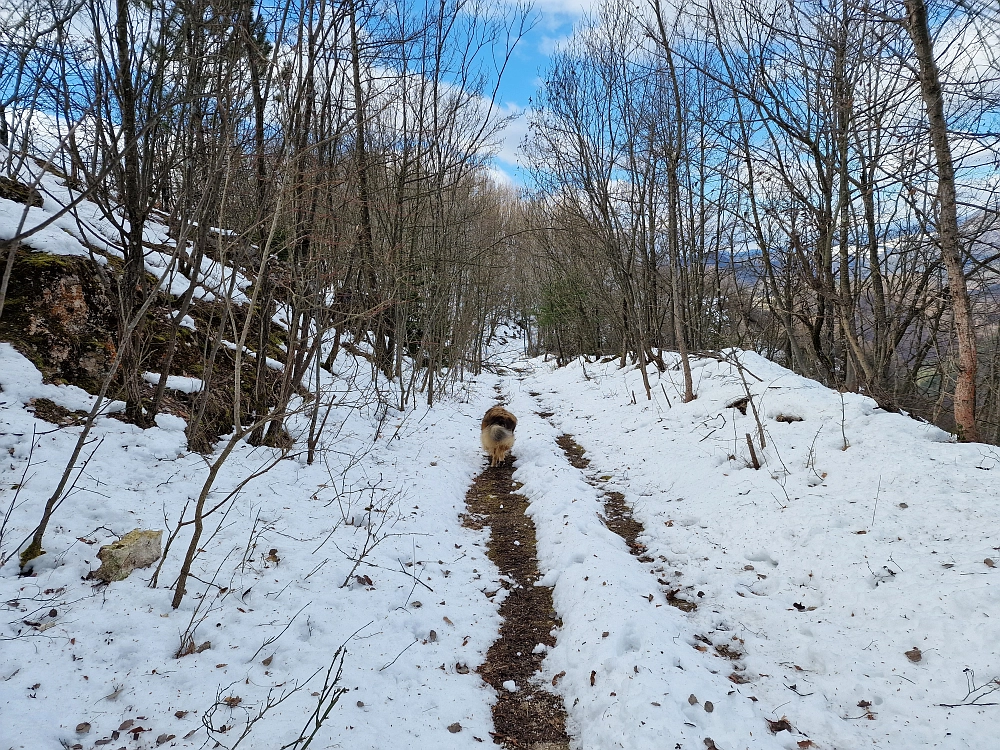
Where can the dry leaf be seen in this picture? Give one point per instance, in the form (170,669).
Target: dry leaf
(455,728)
(593,677)
(555,680)
(781,725)
(128,722)
(461,668)
(447,621)
(83,727)
(805,743)
(232,701)
(267,662)
(180,714)
(914,654)
(692,699)
(164,738)
(988,562)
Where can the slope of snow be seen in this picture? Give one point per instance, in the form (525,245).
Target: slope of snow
(107,654)
(86,228)
(824,568)
(821,614)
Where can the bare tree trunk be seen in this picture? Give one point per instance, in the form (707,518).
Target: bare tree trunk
(948,234)
(673,200)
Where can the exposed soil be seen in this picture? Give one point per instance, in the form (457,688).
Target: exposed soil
(574,452)
(19,192)
(50,411)
(618,518)
(531,718)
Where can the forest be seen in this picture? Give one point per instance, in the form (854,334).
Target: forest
(813,181)
(261,277)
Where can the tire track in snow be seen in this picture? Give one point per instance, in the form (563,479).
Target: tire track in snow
(524,716)
(619,519)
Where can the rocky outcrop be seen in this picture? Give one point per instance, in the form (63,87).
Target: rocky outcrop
(59,315)
(137,549)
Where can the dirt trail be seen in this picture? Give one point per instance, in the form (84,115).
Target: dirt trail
(530,718)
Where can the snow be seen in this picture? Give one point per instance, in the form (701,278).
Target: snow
(87,231)
(186,322)
(821,614)
(176,382)
(823,568)
(53,239)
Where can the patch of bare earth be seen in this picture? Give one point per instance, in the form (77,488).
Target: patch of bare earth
(530,718)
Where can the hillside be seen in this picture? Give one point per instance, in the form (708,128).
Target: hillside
(843,597)
(263,274)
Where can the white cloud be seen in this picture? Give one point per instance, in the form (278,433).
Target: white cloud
(574,8)
(500,177)
(512,136)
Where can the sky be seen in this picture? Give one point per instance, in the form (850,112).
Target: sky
(554,23)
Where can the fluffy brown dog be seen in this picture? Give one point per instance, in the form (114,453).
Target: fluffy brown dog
(497,434)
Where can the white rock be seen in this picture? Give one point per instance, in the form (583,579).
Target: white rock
(510,686)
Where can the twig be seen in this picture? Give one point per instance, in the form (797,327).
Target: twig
(267,642)
(877,492)
(411,575)
(386,666)
(975,692)
(843,418)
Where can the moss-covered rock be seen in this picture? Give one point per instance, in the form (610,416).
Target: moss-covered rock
(58,314)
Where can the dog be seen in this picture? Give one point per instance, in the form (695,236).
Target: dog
(497,434)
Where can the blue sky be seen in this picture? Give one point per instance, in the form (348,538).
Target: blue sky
(555,19)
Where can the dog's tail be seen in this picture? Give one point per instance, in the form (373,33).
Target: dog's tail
(499,433)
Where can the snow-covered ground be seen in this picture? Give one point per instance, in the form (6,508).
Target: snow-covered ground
(820,571)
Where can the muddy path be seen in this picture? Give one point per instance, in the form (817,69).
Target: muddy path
(528,717)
